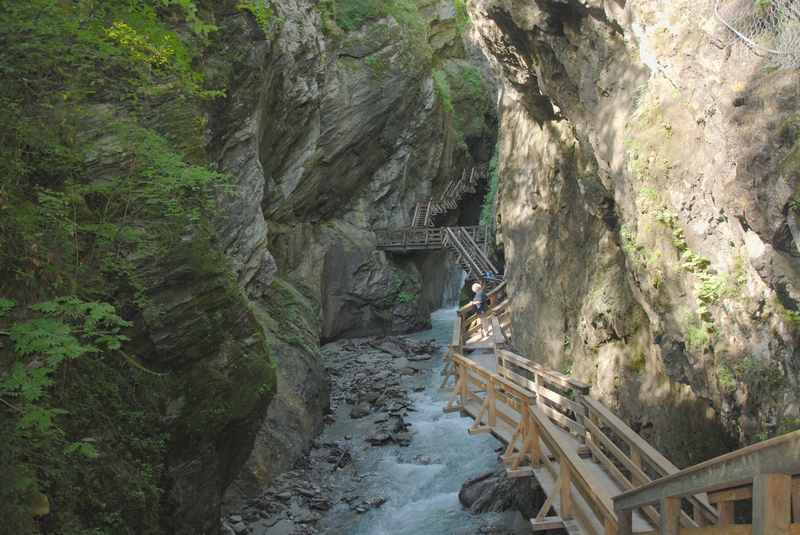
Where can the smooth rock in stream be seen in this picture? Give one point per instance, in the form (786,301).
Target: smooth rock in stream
(360,410)
(379,439)
(495,492)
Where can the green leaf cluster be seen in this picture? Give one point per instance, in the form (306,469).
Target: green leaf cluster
(262,12)
(489,201)
(102,166)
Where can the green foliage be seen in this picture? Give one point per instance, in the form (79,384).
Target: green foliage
(46,447)
(352,14)
(762,6)
(342,16)
(698,334)
(638,363)
(67,328)
(102,164)
(406,297)
(726,378)
(489,201)
(462,15)
(262,12)
(693,262)
(6,306)
(765,378)
(442,87)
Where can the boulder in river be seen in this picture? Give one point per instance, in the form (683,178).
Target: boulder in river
(494,492)
(360,410)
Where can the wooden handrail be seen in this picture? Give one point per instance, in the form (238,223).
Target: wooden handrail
(642,454)
(602,505)
(768,466)
(661,464)
(780,455)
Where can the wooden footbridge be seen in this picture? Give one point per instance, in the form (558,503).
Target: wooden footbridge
(600,477)
(469,244)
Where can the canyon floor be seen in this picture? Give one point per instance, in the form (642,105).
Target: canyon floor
(389,461)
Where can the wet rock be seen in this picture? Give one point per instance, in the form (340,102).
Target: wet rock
(283,527)
(239,528)
(235,519)
(361,410)
(495,492)
(423,356)
(380,438)
(402,439)
(374,501)
(408,371)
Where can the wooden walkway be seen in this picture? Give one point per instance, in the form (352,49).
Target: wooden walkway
(599,475)
(468,243)
(426,211)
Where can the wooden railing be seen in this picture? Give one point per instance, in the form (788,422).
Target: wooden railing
(557,404)
(558,395)
(534,410)
(419,238)
(762,473)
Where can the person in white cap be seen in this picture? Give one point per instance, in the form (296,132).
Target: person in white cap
(480,306)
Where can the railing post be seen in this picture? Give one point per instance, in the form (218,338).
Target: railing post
(625,522)
(534,440)
(725,510)
(772,504)
(610,526)
(670,516)
(492,417)
(565,490)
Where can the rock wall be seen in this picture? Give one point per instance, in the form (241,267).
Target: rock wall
(646,210)
(353,134)
(332,132)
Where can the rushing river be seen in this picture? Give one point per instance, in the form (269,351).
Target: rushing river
(420,482)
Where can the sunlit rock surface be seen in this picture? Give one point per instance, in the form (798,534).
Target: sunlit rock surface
(647,213)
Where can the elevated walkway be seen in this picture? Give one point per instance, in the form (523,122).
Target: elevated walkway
(469,244)
(426,211)
(600,477)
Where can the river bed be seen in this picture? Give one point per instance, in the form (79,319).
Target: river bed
(408,484)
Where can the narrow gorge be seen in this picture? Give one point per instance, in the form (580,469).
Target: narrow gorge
(231,264)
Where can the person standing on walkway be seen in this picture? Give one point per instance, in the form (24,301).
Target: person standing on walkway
(480,301)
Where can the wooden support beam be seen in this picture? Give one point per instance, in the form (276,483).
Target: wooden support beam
(670,516)
(624,522)
(547,523)
(565,490)
(772,504)
(796,501)
(725,510)
(525,471)
(610,526)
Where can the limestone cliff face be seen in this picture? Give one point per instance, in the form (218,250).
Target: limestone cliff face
(330,134)
(353,134)
(647,212)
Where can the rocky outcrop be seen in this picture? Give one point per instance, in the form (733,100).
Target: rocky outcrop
(646,212)
(332,129)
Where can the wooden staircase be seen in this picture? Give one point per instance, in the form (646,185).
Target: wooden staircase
(471,256)
(426,211)
(601,477)
(467,243)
